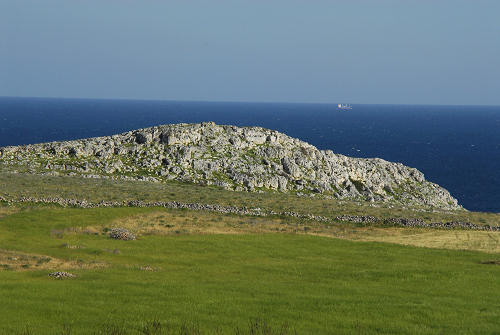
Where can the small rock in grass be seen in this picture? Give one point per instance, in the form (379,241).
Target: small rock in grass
(146,268)
(121,234)
(61,275)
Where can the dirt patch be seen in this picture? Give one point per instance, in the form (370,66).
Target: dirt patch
(16,261)
(453,239)
(176,222)
(492,262)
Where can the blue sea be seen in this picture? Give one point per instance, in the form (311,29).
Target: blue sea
(457,147)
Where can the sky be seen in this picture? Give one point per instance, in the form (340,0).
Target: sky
(352,51)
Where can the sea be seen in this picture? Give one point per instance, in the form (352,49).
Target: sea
(457,147)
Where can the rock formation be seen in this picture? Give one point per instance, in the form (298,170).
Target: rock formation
(235,158)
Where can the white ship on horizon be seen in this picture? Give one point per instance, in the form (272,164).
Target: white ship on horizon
(344,106)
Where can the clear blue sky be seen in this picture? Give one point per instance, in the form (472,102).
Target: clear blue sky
(353,51)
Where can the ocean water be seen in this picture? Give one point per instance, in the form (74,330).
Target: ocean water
(457,147)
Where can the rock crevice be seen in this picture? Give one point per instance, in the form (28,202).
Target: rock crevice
(235,158)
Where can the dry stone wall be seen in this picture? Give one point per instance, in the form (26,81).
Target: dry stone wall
(235,158)
(359,219)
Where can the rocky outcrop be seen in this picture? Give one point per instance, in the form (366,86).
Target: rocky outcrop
(121,234)
(61,275)
(242,159)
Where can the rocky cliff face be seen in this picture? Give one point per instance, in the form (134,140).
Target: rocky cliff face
(248,158)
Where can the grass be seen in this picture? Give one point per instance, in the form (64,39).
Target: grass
(168,222)
(196,272)
(15,185)
(430,238)
(202,281)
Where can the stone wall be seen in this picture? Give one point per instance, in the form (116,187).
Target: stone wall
(370,220)
(242,159)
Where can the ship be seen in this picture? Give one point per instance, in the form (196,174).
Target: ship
(344,106)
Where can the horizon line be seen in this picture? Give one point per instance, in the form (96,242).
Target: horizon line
(237,101)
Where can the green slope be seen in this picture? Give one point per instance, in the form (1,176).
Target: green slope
(317,285)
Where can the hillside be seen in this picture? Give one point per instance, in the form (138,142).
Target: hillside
(220,272)
(208,260)
(242,159)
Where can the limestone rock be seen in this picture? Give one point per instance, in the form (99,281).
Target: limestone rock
(61,275)
(235,158)
(121,234)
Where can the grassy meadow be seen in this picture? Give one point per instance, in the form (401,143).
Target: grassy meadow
(13,186)
(220,282)
(197,272)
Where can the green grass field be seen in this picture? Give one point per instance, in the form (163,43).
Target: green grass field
(208,282)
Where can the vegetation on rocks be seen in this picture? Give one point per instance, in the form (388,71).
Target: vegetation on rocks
(85,192)
(206,259)
(249,159)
